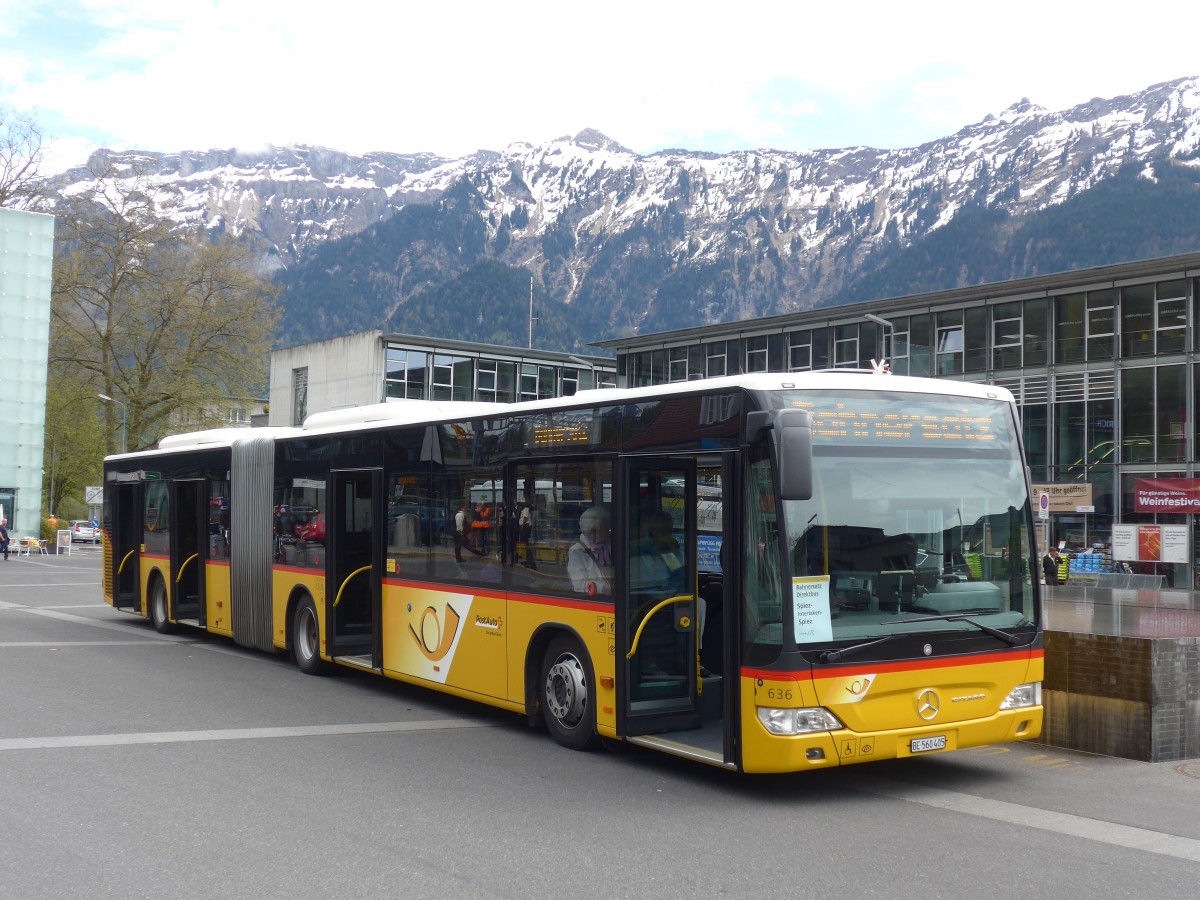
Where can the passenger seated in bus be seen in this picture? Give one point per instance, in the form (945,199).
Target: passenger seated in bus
(658,564)
(589,561)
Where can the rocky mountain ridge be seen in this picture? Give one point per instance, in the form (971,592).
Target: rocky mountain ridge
(633,243)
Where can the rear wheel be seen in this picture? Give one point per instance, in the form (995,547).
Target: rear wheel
(306,638)
(158,608)
(568,704)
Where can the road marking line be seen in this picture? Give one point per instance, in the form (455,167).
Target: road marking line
(132,642)
(1112,833)
(59,584)
(231,734)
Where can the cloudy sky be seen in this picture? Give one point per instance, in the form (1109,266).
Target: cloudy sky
(458,75)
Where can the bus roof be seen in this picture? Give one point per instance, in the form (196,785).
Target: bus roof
(415,412)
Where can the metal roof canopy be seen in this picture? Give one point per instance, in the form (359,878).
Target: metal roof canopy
(1162,268)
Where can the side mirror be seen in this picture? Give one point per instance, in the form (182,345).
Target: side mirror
(791,430)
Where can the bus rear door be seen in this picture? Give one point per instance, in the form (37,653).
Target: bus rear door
(125,536)
(189,546)
(354,566)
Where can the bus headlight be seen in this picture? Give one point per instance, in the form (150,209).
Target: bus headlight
(1023,695)
(798,721)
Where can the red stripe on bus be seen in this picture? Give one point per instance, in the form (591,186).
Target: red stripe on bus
(604,606)
(443,588)
(914,665)
(298,570)
(537,599)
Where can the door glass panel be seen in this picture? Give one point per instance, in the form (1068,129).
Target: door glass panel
(661,604)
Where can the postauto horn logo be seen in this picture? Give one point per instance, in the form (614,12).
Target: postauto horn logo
(435,638)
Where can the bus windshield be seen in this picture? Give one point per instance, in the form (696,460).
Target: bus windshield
(918,522)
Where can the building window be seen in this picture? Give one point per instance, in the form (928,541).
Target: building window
(716,359)
(299,395)
(1171,315)
(570,382)
(1036,332)
(486,380)
(405,375)
(453,378)
(1006,336)
(1137,321)
(756,353)
(1170,403)
(1137,415)
(237,416)
(845,346)
(950,343)
(799,351)
(920,349)
(537,382)
(1070,345)
(897,353)
(1101,318)
(677,364)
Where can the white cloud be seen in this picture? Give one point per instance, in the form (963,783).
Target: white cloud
(464,74)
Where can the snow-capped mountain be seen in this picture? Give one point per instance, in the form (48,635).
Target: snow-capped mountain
(668,239)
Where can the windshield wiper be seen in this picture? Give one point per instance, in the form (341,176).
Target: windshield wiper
(1011,639)
(828,656)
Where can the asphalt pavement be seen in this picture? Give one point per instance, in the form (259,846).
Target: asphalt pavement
(134,764)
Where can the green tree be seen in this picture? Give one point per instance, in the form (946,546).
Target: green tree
(161,318)
(74,443)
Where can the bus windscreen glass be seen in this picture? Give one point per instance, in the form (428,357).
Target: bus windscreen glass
(919,517)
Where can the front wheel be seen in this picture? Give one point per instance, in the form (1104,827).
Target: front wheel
(306,638)
(567,701)
(158,608)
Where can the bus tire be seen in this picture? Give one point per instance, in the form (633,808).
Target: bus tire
(568,705)
(306,638)
(159,614)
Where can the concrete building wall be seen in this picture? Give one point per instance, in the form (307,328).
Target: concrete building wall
(341,372)
(26,266)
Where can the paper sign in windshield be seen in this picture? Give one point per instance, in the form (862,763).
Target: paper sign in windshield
(810,607)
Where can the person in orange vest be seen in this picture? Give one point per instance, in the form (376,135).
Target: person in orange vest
(481,525)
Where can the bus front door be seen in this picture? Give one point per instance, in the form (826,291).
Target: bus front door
(189,545)
(124,535)
(354,566)
(656,609)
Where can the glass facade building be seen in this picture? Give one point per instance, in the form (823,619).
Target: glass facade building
(373,367)
(26,261)
(1104,363)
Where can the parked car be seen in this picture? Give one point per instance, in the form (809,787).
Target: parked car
(83,530)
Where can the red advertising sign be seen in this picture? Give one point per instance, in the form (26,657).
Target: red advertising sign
(1150,543)
(1166,495)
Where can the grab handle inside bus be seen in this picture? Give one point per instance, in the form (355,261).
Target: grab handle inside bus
(179,574)
(791,431)
(338,598)
(637,636)
(121,567)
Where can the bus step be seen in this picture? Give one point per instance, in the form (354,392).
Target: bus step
(359,662)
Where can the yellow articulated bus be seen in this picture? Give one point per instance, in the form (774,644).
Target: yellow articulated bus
(767,573)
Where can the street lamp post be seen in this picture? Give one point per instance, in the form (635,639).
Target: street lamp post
(124,424)
(888,328)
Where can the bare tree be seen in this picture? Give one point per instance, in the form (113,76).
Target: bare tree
(168,322)
(20,158)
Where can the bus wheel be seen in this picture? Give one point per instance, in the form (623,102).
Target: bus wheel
(158,608)
(306,638)
(566,703)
